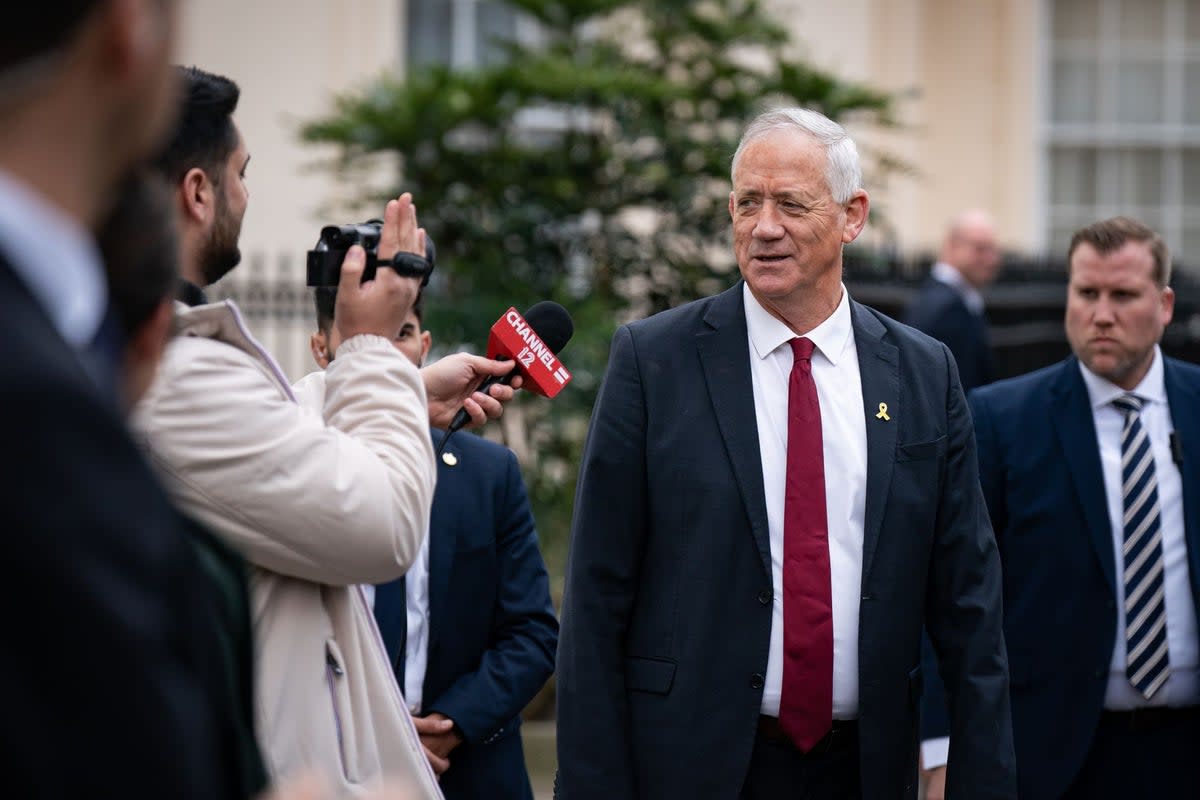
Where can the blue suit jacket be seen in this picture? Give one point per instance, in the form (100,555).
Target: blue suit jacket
(1041,474)
(492,626)
(668,604)
(939,310)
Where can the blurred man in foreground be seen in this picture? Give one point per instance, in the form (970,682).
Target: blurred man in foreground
(103,689)
(1091,476)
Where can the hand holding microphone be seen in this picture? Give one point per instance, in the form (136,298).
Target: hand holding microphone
(524,350)
(457,384)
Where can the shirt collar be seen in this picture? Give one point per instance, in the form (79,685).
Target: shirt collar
(768,334)
(949,275)
(1102,392)
(57,260)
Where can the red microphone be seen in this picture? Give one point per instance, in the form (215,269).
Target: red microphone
(534,350)
(532,341)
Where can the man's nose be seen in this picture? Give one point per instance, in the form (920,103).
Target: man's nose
(768,225)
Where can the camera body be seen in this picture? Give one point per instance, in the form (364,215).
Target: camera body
(325,260)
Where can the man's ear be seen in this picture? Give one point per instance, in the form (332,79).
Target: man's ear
(426,343)
(319,345)
(197,198)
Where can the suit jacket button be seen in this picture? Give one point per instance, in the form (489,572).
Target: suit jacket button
(765,597)
(757,681)
(1100,672)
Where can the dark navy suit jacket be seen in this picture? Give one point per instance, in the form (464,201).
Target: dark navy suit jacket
(668,604)
(104,691)
(492,626)
(940,311)
(1041,474)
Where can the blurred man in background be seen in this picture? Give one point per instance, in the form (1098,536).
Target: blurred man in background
(949,305)
(1091,473)
(470,629)
(103,689)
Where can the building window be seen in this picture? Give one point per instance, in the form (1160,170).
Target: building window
(461,33)
(1123,118)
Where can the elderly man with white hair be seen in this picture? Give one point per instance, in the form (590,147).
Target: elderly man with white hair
(778,491)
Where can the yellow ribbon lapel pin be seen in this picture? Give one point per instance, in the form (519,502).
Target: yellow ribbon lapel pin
(883,415)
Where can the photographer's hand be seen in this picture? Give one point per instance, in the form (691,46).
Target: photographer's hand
(450,384)
(379,306)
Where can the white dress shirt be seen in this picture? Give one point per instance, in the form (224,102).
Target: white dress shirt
(56,259)
(949,275)
(844,439)
(416,645)
(1183,687)
(416,652)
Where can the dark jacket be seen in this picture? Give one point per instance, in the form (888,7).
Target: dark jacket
(492,626)
(940,311)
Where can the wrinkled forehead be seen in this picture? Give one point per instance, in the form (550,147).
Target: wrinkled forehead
(782,158)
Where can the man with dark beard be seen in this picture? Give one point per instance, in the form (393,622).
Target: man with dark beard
(206,163)
(316,503)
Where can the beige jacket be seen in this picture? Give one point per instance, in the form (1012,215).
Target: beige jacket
(317,503)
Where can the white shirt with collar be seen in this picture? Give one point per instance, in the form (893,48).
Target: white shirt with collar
(1183,647)
(57,260)
(949,275)
(416,652)
(416,643)
(844,438)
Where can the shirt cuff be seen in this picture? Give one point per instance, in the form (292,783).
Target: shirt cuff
(935,752)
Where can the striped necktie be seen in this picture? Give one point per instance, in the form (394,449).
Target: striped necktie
(1146,661)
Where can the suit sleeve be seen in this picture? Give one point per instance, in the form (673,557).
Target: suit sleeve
(964,619)
(99,665)
(524,631)
(594,759)
(991,466)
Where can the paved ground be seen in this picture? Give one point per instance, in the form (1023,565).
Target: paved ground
(538,738)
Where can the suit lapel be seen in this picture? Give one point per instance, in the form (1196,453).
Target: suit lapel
(442,542)
(1075,426)
(1183,398)
(879,368)
(724,351)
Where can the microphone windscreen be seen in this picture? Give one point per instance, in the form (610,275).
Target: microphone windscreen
(552,323)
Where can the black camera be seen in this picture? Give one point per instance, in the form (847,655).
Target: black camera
(325,260)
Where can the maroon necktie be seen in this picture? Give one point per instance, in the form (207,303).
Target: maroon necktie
(806,699)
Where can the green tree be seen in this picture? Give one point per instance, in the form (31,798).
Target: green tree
(592,169)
